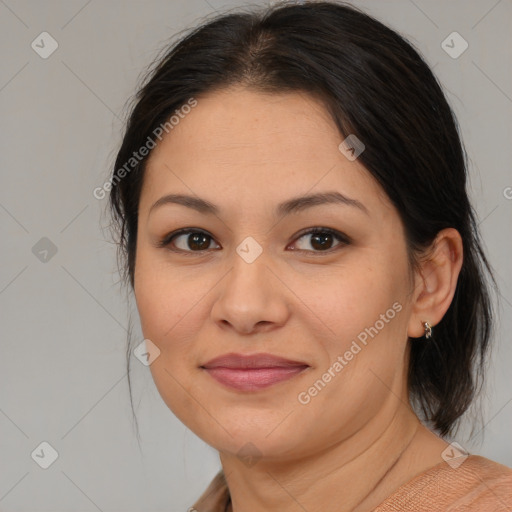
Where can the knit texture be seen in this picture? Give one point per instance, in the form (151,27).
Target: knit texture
(477,485)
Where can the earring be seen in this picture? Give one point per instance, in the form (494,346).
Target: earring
(428,330)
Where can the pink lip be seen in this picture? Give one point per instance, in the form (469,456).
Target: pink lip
(249,373)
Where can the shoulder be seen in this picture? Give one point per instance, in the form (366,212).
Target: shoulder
(485,485)
(478,484)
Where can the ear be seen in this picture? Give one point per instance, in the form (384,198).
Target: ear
(436,281)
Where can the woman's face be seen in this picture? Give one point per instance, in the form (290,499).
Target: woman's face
(248,280)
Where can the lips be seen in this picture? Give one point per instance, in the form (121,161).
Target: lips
(252,372)
(242,361)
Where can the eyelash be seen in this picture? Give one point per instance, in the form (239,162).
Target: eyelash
(342,238)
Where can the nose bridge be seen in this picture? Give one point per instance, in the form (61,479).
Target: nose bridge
(249,296)
(249,271)
(249,250)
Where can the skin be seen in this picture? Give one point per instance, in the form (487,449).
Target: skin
(358,439)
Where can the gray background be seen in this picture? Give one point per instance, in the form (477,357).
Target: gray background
(64,320)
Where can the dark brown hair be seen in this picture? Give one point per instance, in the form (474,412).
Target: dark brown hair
(375,85)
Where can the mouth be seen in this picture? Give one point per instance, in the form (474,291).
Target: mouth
(252,373)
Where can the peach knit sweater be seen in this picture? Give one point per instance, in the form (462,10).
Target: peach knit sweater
(477,485)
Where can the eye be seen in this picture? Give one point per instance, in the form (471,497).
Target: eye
(191,241)
(322,239)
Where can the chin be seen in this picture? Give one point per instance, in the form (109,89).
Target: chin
(252,439)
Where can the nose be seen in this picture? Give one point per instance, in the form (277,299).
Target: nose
(251,298)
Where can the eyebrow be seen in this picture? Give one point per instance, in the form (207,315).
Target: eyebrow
(293,205)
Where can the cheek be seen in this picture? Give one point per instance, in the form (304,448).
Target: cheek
(173,305)
(362,319)
(364,324)
(161,293)
(166,304)
(353,302)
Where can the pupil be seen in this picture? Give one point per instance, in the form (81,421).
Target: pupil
(196,238)
(321,245)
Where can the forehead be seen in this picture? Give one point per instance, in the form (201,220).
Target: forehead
(245,144)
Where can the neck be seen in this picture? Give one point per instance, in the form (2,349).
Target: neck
(354,475)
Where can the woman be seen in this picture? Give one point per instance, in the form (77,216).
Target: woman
(293,217)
